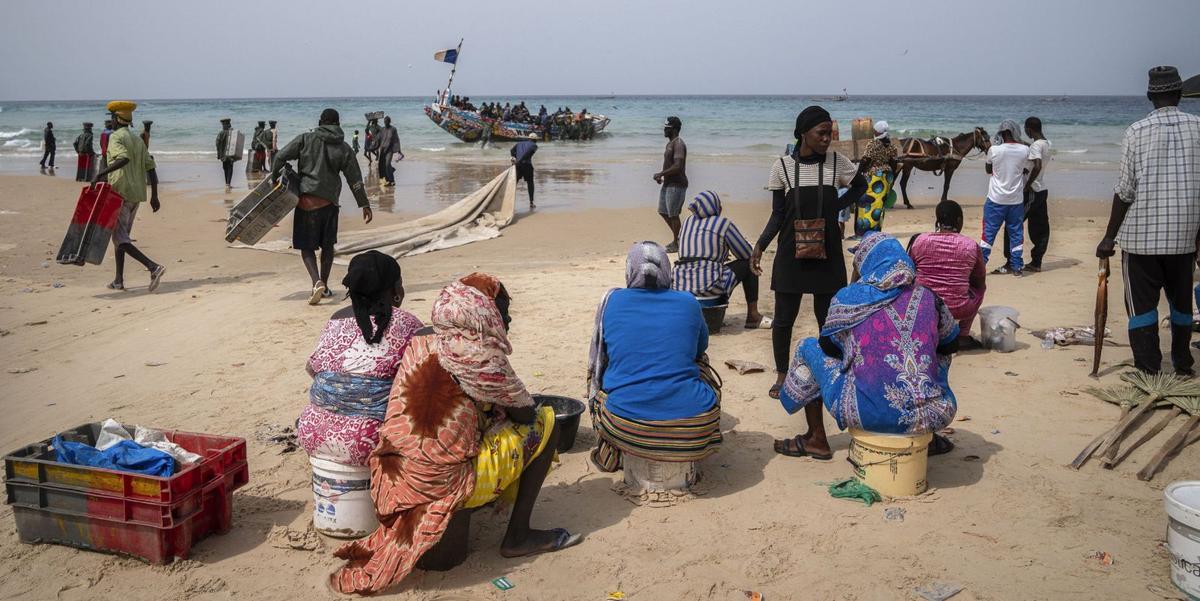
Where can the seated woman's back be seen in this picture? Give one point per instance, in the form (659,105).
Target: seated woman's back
(653,338)
(945,262)
(343,350)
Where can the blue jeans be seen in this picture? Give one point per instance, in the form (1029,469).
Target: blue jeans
(1012,216)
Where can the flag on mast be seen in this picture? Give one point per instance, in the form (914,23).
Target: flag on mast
(447,56)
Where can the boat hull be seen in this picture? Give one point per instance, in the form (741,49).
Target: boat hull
(469,127)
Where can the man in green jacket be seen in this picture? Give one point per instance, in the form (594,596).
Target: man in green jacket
(222,146)
(258,154)
(321,155)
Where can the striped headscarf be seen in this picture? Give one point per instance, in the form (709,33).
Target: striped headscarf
(705,242)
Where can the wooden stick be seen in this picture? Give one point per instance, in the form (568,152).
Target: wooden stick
(1154,430)
(1101,315)
(1173,445)
(1123,428)
(1087,451)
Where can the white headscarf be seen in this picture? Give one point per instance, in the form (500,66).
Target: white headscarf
(881,129)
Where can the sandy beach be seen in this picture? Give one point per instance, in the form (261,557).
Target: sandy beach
(221,346)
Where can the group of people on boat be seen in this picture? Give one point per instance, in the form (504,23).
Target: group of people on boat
(562,124)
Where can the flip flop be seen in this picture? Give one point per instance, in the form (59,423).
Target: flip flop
(318,292)
(764,323)
(799,450)
(562,540)
(113,286)
(156,278)
(774,391)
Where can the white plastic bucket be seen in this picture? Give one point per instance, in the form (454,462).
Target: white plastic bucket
(998,328)
(646,475)
(1183,535)
(342,499)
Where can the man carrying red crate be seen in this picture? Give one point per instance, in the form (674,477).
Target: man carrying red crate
(129,168)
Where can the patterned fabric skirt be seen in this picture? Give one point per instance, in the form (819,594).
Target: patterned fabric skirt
(878,198)
(345,439)
(687,439)
(506,450)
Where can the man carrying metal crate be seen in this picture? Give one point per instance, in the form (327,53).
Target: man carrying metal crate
(322,156)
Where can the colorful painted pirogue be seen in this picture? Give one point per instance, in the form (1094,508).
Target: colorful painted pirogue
(468,126)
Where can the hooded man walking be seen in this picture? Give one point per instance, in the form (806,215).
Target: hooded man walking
(49,145)
(86,163)
(322,156)
(130,168)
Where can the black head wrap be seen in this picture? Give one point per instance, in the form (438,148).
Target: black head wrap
(329,117)
(371,281)
(810,118)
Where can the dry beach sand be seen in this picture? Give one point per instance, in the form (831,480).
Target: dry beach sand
(220,348)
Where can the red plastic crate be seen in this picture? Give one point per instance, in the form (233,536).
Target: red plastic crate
(151,543)
(224,459)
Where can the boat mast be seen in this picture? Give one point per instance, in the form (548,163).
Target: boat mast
(453,68)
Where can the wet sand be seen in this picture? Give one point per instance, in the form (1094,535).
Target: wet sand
(1005,518)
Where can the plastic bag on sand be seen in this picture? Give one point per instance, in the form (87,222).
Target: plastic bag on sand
(112,432)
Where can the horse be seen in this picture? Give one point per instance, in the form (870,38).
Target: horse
(938,154)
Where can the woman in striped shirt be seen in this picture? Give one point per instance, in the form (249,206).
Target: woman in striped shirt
(705,242)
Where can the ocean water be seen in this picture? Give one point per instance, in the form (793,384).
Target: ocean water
(732,143)
(1085,131)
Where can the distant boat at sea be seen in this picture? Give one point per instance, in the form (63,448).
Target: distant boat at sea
(844,97)
(468,126)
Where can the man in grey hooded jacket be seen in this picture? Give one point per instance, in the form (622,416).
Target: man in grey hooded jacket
(322,157)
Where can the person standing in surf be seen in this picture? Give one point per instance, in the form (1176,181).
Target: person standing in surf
(322,157)
(222,152)
(673,179)
(49,145)
(130,168)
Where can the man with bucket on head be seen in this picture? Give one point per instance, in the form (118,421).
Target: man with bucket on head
(129,168)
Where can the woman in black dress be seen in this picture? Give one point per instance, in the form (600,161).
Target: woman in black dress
(804,186)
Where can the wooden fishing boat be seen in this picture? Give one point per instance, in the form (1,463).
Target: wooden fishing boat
(470,127)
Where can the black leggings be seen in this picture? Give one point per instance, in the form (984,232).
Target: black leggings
(745,276)
(787,307)
(227,166)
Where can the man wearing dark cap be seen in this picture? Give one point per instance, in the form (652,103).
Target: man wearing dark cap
(222,152)
(86,164)
(673,178)
(49,145)
(1156,219)
(388,146)
(322,156)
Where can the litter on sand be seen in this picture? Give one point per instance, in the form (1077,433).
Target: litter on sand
(894,514)
(745,367)
(1066,336)
(853,489)
(503,583)
(938,591)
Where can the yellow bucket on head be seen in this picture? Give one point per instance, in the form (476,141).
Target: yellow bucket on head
(893,464)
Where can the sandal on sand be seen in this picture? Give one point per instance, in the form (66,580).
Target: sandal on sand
(318,291)
(156,277)
(797,449)
(764,323)
(114,286)
(940,445)
(563,540)
(774,391)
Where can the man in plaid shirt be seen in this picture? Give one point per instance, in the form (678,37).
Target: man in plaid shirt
(1156,219)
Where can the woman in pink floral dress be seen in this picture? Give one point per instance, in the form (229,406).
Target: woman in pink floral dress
(355,362)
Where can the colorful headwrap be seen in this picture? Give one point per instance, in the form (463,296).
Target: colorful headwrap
(123,110)
(884,271)
(473,343)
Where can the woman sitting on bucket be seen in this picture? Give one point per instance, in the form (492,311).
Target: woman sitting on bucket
(882,359)
(461,431)
(706,241)
(652,392)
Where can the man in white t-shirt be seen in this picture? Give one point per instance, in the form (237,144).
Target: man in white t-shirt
(1006,196)
(1037,213)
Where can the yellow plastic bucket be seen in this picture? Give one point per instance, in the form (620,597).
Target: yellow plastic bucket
(893,464)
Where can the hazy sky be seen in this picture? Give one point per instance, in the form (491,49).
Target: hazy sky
(84,49)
